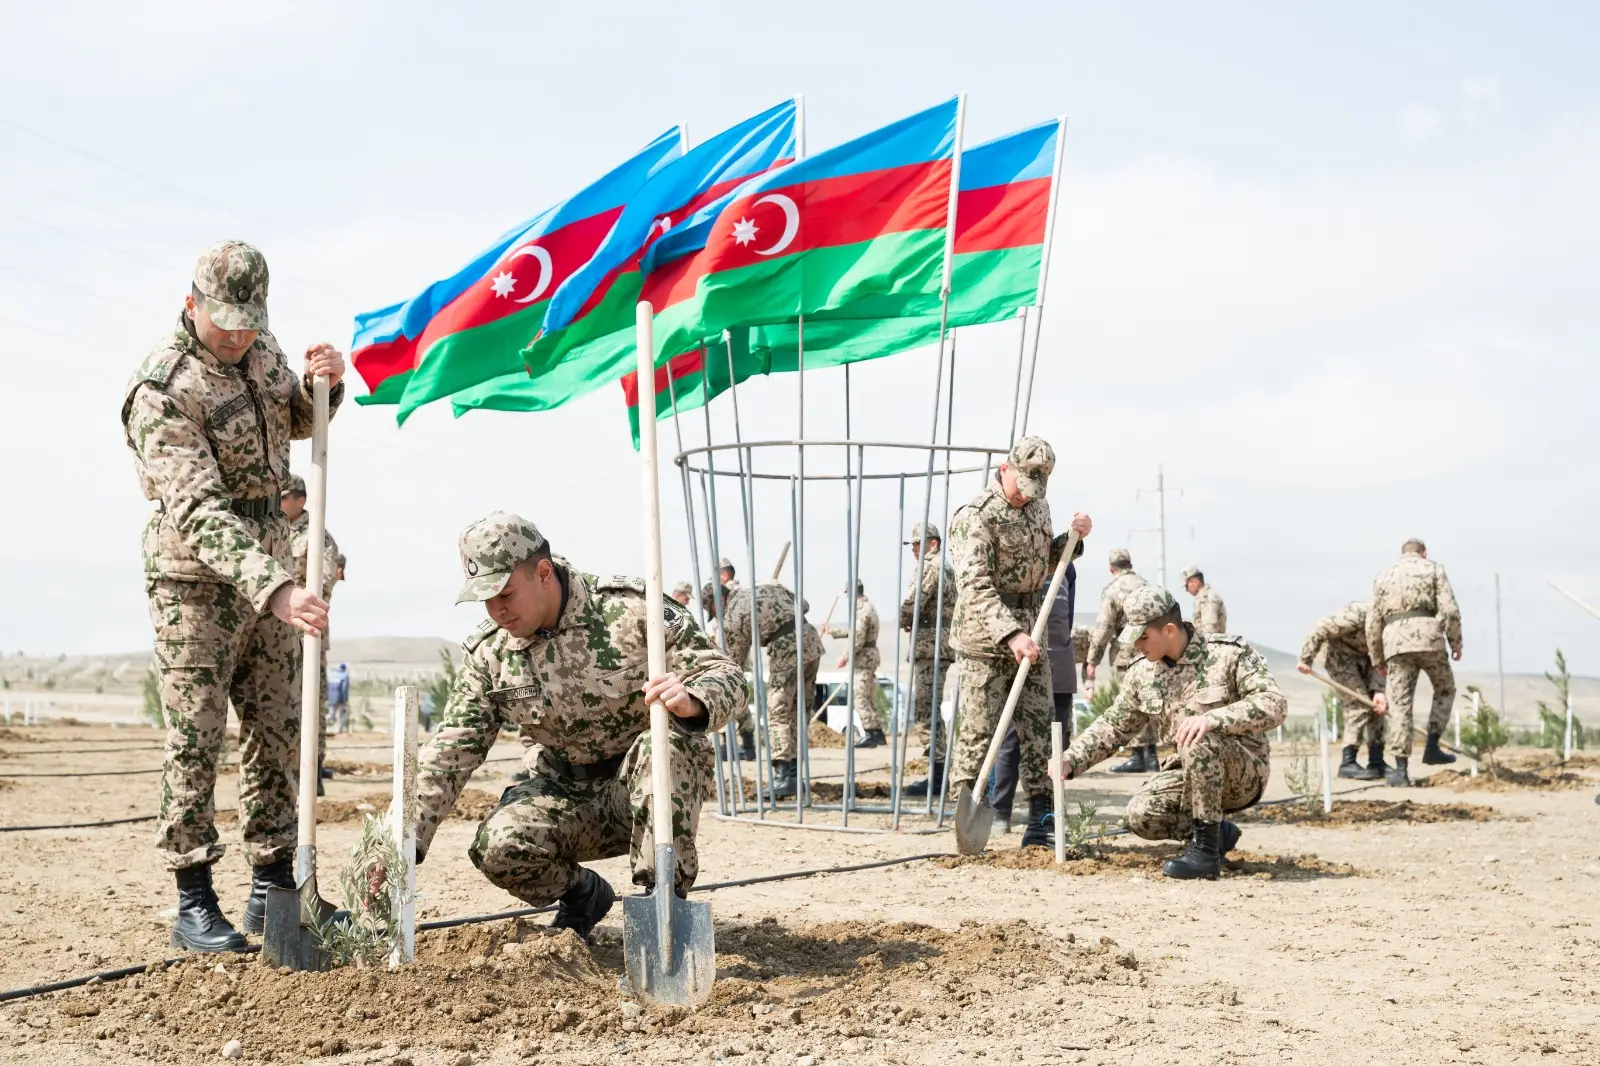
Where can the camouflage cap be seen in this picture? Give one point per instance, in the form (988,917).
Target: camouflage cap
(1121,559)
(491,548)
(725,564)
(232,277)
(917,537)
(295,485)
(1143,606)
(1191,571)
(683,588)
(1033,459)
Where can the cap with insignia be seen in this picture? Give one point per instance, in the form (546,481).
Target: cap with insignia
(918,538)
(1143,606)
(1032,459)
(1120,558)
(491,548)
(232,279)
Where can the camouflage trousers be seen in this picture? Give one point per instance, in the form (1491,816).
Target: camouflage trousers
(534,839)
(211,649)
(1214,777)
(985,684)
(1402,690)
(864,683)
(927,692)
(1361,726)
(322,699)
(785,685)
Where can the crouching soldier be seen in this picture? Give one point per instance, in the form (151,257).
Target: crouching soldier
(562,656)
(1215,699)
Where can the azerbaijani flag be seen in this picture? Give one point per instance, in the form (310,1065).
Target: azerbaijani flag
(1007,188)
(472,326)
(588,326)
(869,220)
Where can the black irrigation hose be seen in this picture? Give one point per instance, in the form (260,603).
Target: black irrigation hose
(97,825)
(451,923)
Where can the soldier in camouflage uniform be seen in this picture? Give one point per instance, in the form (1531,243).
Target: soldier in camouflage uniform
(864,679)
(933,611)
(293,501)
(1342,639)
(208,416)
(1413,614)
(1142,757)
(683,592)
(1212,696)
(1210,613)
(562,655)
(788,674)
(1003,552)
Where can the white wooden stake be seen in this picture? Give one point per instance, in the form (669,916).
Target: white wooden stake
(1566,754)
(403,820)
(1061,791)
(1324,727)
(1458,726)
(1476,698)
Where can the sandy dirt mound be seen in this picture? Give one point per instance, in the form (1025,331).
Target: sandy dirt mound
(1146,859)
(1504,779)
(474,989)
(359,769)
(820,736)
(1364,812)
(473,805)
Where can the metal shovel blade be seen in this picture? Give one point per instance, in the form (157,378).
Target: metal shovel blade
(669,945)
(974,820)
(289,936)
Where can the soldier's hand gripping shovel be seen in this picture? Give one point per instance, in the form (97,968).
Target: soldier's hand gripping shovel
(668,942)
(974,816)
(294,915)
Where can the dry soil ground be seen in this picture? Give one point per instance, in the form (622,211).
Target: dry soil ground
(1450,924)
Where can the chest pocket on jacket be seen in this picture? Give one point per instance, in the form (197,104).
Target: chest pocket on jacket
(617,687)
(232,426)
(520,704)
(1210,697)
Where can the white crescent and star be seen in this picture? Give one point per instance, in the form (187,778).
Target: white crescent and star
(546,270)
(745,230)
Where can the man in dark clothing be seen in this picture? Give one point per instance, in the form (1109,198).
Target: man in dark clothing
(1064,682)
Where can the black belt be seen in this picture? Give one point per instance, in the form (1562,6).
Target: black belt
(1429,613)
(604,769)
(264,508)
(1022,600)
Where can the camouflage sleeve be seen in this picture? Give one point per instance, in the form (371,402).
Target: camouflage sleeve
(300,407)
(1261,704)
(710,676)
(1058,544)
(1210,615)
(975,561)
(866,629)
(736,631)
(1121,721)
(1375,626)
(466,732)
(1324,631)
(909,603)
(177,454)
(1105,625)
(1313,645)
(1449,611)
(330,565)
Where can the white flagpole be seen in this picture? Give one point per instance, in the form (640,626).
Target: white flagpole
(1044,263)
(955,194)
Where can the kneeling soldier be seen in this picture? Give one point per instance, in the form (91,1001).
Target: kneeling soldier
(562,656)
(1215,699)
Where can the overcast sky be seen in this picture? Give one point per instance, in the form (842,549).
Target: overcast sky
(1332,266)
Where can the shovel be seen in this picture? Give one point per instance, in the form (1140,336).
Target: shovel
(668,943)
(295,915)
(974,816)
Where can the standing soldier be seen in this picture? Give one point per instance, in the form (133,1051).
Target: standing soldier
(933,619)
(1210,614)
(683,592)
(1413,614)
(865,678)
(209,415)
(562,656)
(1216,700)
(1142,759)
(1344,636)
(789,672)
(293,501)
(1003,552)
(730,583)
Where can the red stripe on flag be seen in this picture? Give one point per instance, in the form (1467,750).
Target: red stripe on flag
(1002,216)
(377,363)
(849,209)
(679,366)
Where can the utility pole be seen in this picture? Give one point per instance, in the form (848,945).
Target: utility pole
(1499,646)
(1161,511)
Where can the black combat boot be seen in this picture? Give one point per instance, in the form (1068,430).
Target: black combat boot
(919,789)
(1228,836)
(1397,777)
(1348,767)
(1040,831)
(200,925)
(873,739)
(1137,762)
(1434,755)
(1376,768)
(584,904)
(279,874)
(783,781)
(1202,859)
(747,746)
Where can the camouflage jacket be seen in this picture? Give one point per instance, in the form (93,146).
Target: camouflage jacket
(1344,632)
(203,435)
(1413,609)
(1110,621)
(574,690)
(866,643)
(929,616)
(775,619)
(300,545)
(1221,677)
(1003,557)
(1210,615)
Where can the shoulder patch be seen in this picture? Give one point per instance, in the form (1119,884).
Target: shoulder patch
(620,583)
(485,630)
(1226,638)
